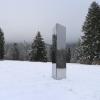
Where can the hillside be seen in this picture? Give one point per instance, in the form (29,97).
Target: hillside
(33,81)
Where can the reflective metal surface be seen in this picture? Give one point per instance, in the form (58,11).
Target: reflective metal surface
(58,52)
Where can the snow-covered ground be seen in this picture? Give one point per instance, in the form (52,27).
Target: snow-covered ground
(33,81)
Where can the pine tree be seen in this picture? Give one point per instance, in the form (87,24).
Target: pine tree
(1,44)
(53,48)
(15,52)
(38,49)
(68,55)
(91,39)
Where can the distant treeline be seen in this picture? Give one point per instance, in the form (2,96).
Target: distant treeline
(86,50)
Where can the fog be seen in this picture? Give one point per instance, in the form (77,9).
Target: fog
(21,19)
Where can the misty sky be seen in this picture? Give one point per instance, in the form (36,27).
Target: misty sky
(21,19)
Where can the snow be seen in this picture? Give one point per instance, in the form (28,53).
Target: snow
(32,81)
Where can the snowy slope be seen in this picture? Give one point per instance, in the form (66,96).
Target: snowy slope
(33,81)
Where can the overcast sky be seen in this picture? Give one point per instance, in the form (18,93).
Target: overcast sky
(21,19)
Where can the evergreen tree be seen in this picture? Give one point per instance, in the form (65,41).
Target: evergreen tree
(1,44)
(38,49)
(91,39)
(53,48)
(68,55)
(15,52)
